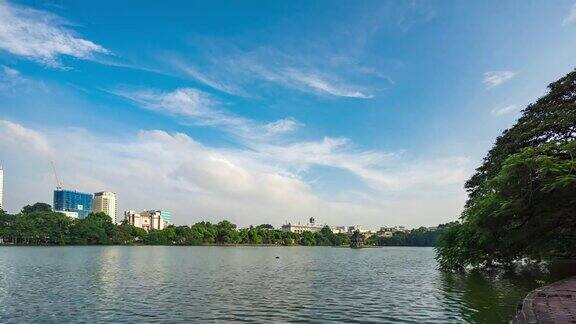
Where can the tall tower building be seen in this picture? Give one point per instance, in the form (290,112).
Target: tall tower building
(72,201)
(1,188)
(105,202)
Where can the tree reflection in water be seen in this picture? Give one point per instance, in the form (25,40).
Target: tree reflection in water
(494,296)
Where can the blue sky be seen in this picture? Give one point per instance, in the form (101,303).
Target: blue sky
(356,112)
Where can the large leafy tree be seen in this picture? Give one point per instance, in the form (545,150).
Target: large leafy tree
(37,207)
(522,199)
(97,228)
(226,233)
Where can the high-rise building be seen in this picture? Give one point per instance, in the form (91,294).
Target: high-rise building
(166,216)
(1,188)
(73,201)
(105,202)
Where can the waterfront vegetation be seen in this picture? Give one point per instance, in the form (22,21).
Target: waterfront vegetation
(522,199)
(38,225)
(416,237)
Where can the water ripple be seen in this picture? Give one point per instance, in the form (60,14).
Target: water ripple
(242,284)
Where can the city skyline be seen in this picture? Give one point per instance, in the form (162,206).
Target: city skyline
(372,113)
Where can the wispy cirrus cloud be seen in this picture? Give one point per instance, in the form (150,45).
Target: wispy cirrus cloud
(318,84)
(187,102)
(571,18)
(414,13)
(499,111)
(10,72)
(495,78)
(234,72)
(334,152)
(281,126)
(41,36)
(199,108)
(386,173)
(9,77)
(13,82)
(338,64)
(218,84)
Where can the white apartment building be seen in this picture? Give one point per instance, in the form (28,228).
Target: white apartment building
(146,219)
(105,202)
(310,227)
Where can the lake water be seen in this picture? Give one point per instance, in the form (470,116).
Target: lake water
(183,284)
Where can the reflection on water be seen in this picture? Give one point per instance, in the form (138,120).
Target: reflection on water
(181,284)
(492,297)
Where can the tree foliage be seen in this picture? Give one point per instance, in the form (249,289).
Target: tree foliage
(522,199)
(38,225)
(37,207)
(417,237)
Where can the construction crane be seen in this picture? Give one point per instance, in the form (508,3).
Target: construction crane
(59,184)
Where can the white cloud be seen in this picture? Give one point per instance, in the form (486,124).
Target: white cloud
(316,83)
(41,36)
(187,102)
(10,72)
(386,173)
(495,78)
(200,108)
(334,152)
(306,80)
(10,78)
(235,72)
(281,126)
(14,135)
(571,18)
(203,78)
(505,110)
(156,169)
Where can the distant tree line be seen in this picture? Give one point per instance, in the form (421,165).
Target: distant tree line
(422,236)
(38,225)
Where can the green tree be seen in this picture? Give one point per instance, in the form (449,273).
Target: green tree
(36,227)
(204,232)
(357,239)
(522,199)
(125,234)
(37,207)
(57,227)
(307,239)
(226,233)
(254,236)
(166,236)
(97,228)
(325,237)
(416,237)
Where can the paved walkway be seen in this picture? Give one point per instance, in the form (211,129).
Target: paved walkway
(555,303)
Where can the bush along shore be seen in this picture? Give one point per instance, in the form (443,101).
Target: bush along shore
(38,225)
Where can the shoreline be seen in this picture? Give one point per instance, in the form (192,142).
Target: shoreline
(554,303)
(212,245)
